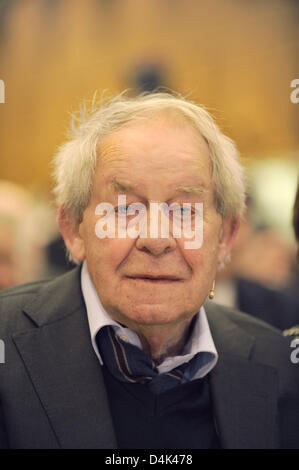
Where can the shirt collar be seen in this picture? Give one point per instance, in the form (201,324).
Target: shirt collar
(200,341)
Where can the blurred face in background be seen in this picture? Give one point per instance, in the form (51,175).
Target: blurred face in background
(8,272)
(25,227)
(14,202)
(275,256)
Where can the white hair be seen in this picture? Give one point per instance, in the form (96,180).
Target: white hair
(76,160)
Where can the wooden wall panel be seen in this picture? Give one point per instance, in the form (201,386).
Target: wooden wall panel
(237,57)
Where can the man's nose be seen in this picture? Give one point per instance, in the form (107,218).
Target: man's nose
(156,246)
(156,236)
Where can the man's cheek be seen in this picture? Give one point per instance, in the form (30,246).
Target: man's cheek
(194,258)
(201,259)
(114,251)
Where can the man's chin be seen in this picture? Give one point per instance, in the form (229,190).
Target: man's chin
(151,315)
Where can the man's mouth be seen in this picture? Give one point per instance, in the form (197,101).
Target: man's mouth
(156,279)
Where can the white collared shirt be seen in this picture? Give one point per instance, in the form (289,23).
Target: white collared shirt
(200,340)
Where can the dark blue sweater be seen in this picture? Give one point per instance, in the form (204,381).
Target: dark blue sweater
(181,418)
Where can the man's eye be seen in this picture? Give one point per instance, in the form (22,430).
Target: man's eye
(183,211)
(186,210)
(121,209)
(127,210)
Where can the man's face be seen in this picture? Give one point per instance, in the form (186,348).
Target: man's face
(152,280)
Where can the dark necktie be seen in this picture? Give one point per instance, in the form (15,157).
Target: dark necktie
(127,363)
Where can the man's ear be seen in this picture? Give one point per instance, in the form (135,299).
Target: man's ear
(228,233)
(70,233)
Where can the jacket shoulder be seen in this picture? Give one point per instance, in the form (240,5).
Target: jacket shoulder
(12,301)
(243,319)
(36,303)
(21,290)
(269,346)
(250,323)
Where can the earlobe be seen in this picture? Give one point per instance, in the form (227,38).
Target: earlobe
(230,228)
(70,232)
(78,249)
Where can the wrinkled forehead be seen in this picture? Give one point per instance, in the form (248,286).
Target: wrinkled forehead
(166,139)
(157,158)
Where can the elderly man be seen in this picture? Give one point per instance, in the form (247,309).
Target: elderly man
(121,352)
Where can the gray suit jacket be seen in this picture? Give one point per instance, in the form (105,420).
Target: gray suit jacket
(52,392)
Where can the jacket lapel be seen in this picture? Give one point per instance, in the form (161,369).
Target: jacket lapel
(66,373)
(244,393)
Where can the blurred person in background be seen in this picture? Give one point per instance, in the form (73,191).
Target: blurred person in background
(122,351)
(258,280)
(15,266)
(293,332)
(26,226)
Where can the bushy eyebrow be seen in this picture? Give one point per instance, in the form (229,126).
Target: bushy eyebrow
(126,187)
(122,186)
(191,189)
